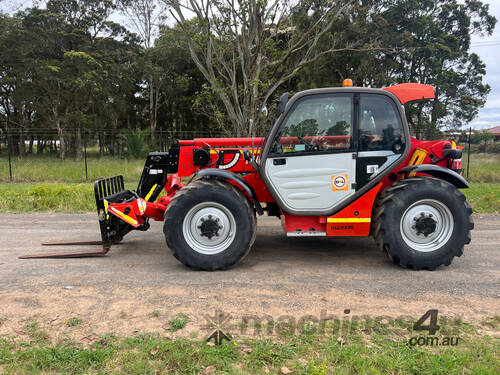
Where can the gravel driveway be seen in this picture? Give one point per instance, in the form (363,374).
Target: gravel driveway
(139,285)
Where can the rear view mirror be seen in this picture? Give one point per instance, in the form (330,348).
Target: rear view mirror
(282,104)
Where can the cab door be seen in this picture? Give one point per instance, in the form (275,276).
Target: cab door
(382,139)
(311,163)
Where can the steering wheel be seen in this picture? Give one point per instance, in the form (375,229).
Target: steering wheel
(397,146)
(309,145)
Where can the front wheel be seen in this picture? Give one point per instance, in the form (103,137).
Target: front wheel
(209,225)
(422,223)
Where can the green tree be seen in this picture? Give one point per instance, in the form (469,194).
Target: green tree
(423,41)
(182,86)
(247,49)
(482,138)
(65,66)
(145,17)
(439,54)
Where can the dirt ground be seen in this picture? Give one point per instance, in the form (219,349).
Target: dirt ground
(139,286)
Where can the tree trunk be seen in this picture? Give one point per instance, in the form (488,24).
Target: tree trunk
(62,143)
(30,147)
(39,145)
(152,114)
(435,108)
(14,144)
(60,133)
(101,145)
(78,144)
(21,144)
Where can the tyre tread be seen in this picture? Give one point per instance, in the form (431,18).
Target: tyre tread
(381,223)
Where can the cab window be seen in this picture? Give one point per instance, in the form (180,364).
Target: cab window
(318,123)
(380,126)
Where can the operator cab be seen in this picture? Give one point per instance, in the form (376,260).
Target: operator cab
(331,145)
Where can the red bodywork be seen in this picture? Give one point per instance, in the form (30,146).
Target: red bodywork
(353,220)
(411,92)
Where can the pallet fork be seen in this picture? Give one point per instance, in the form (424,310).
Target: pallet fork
(104,189)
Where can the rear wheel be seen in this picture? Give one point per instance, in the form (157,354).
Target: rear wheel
(422,223)
(209,225)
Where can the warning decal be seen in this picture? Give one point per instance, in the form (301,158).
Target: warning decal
(340,182)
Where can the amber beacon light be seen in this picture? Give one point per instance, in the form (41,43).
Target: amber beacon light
(347,82)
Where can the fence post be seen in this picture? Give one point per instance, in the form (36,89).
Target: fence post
(8,152)
(468,151)
(85,152)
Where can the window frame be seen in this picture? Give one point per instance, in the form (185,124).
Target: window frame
(396,113)
(354,128)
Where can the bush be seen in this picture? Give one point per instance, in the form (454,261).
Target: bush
(136,142)
(493,148)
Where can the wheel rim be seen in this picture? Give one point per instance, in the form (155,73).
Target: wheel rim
(209,228)
(427,225)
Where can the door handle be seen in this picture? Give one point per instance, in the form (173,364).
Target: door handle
(279,161)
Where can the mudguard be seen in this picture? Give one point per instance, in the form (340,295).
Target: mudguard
(227,175)
(439,172)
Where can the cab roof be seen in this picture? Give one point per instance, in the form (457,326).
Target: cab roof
(411,92)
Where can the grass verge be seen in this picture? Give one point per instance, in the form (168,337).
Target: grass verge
(484,197)
(483,167)
(76,198)
(51,169)
(47,197)
(361,351)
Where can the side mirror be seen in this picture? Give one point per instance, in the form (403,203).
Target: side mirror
(282,104)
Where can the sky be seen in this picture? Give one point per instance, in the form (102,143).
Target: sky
(488,48)
(489,116)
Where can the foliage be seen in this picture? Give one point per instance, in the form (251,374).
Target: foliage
(247,50)
(178,322)
(481,137)
(73,322)
(420,41)
(68,66)
(493,148)
(136,143)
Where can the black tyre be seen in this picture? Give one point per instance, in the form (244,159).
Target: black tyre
(209,225)
(422,223)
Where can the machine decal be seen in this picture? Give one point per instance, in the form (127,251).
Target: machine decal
(150,193)
(417,158)
(232,163)
(355,219)
(340,182)
(371,169)
(126,218)
(349,220)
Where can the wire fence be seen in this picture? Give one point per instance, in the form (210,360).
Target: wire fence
(79,154)
(35,155)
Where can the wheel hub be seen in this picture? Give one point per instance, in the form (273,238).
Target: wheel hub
(209,226)
(424,224)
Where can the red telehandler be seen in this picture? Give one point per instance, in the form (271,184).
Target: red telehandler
(337,162)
